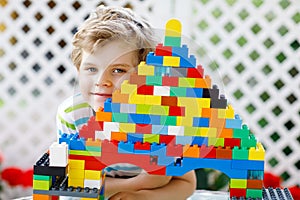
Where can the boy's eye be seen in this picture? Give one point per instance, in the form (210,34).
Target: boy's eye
(91,69)
(118,70)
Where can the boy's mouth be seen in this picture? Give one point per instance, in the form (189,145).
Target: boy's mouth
(102,94)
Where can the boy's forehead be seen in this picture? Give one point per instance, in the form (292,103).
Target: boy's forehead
(112,51)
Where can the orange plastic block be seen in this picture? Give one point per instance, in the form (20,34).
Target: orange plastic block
(168,101)
(206,112)
(203,83)
(41,197)
(139,80)
(224,153)
(91,142)
(103,116)
(119,136)
(254,184)
(226,133)
(191,151)
(117,97)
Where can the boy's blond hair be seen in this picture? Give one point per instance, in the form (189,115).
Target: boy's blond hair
(109,23)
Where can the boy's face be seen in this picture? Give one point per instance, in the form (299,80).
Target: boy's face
(103,71)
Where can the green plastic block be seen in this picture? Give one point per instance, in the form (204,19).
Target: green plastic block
(84,153)
(172,41)
(191,131)
(186,82)
(151,138)
(254,193)
(41,185)
(238,183)
(93,148)
(168,120)
(212,141)
(241,133)
(120,117)
(240,154)
(154,80)
(159,110)
(143,109)
(177,92)
(249,142)
(42,177)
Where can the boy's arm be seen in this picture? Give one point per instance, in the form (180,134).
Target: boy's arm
(179,188)
(141,182)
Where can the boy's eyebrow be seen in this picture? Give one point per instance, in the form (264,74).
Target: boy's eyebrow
(88,63)
(120,64)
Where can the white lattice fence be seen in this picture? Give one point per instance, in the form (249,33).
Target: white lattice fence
(253,48)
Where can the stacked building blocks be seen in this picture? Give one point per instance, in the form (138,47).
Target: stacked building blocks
(167,119)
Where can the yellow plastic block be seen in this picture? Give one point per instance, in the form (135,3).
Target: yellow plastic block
(238,183)
(191,131)
(152,100)
(92,174)
(192,106)
(84,153)
(212,132)
(171,61)
(76,164)
(258,153)
(127,88)
(76,173)
(217,142)
(229,112)
(144,69)
(41,185)
(222,113)
(204,102)
(76,182)
(127,128)
(86,198)
(184,121)
(173,28)
(136,99)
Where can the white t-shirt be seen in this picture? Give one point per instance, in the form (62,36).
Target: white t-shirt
(75,112)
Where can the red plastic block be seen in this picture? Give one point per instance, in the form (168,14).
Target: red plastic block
(108,146)
(174,150)
(143,128)
(170,81)
(94,165)
(142,146)
(232,142)
(168,101)
(236,192)
(167,139)
(195,72)
(176,111)
(139,80)
(254,184)
(224,153)
(207,152)
(163,50)
(145,89)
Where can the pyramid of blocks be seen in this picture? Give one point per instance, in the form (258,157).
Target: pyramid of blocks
(169,119)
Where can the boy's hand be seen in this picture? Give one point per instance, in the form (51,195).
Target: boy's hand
(146,181)
(129,195)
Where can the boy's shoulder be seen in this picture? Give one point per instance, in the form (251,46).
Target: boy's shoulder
(73,103)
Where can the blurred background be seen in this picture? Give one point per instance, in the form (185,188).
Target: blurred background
(249,48)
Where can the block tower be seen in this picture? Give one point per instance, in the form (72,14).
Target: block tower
(168,119)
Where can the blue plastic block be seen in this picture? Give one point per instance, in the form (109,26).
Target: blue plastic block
(77,143)
(158,149)
(184,140)
(154,119)
(115,107)
(201,122)
(139,118)
(107,105)
(65,138)
(188,62)
(256,174)
(194,92)
(134,137)
(162,71)
(138,151)
(160,129)
(151,59)
(181,52)
(200,141)
(125,147)
(234,123)
(248,164)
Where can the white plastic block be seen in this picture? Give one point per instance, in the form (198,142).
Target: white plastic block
(58,154)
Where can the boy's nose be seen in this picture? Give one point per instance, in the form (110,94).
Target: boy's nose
(104,83)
